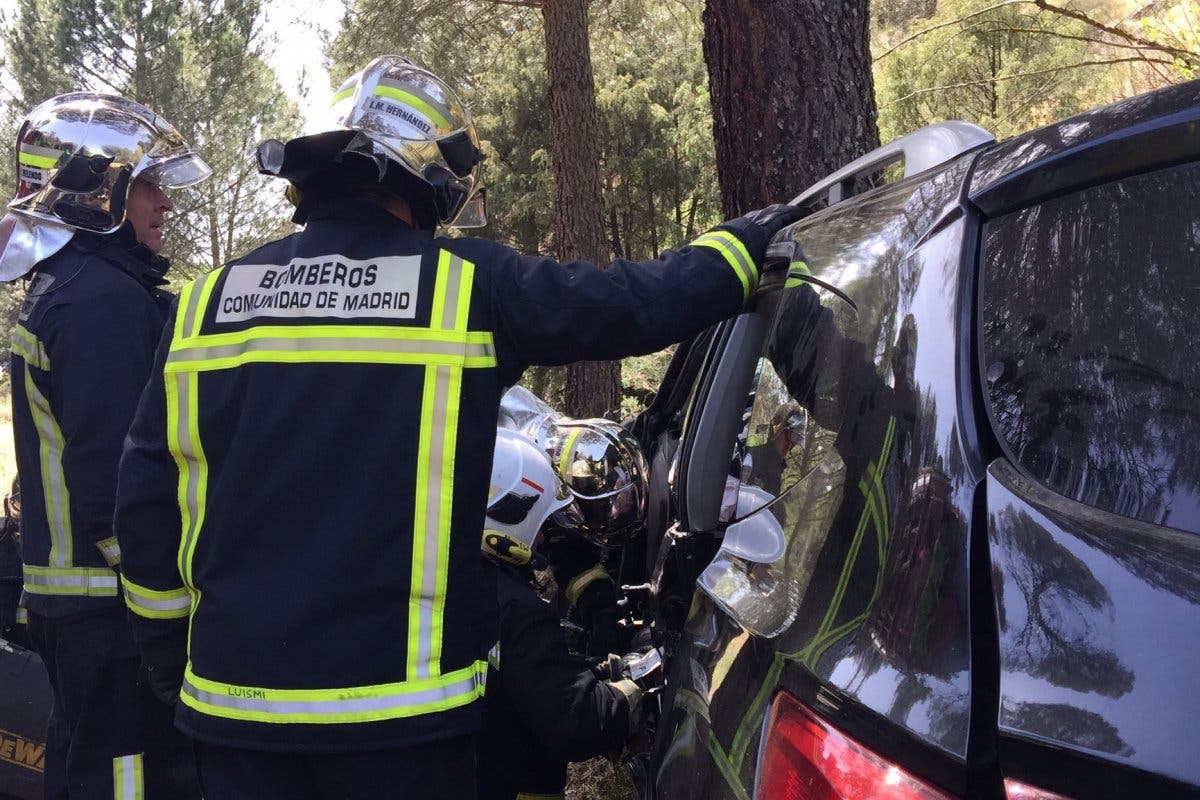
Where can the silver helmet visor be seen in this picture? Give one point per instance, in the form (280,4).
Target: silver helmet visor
(174,171)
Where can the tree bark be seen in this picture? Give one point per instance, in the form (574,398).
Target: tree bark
(792,94)
(593,388)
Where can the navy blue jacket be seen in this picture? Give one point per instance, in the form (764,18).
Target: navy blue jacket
(544,707)
(305,480)
(82,350)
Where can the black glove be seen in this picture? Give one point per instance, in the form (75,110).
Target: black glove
(165,682)
(775,218)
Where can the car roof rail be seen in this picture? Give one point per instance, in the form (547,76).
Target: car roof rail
(928,147)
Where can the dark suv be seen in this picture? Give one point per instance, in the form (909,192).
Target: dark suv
(940,489)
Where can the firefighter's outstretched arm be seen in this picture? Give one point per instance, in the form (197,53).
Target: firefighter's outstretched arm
(149,528)
(551,313)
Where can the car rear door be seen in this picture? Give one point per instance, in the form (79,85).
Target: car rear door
(1088,353)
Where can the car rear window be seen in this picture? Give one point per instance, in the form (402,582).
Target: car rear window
(1091,343)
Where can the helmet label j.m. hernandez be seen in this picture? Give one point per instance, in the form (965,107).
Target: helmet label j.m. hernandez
(324,286)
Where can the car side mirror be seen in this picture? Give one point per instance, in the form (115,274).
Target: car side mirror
(757,538)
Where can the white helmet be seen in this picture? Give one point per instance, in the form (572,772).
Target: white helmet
(395,114)
(525,492)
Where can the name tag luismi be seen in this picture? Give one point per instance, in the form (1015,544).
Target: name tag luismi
(325,286)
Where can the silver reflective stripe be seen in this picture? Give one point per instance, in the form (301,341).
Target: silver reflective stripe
(188,453)
(453,278)
(433,102)
(191,320)
(110,549)
(721,242)
(35,150)
(182,601)
(26,345)
(127,778)
(256,700)
(94,581)
(54,480)
(337,346)
(430,540)
(494,656)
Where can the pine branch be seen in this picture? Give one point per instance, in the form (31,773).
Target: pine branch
(1074,37)
(1030,74)
(1079,16)
(948,24)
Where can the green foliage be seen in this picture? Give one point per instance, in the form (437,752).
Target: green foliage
(655,124)
(1177,29)
(200,64)
(1008,68)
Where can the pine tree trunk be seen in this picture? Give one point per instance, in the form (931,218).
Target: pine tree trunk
(792,94)
(593,388)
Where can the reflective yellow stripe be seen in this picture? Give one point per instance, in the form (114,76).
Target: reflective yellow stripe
(183,438)
(436,116)
(797,271)
(331,706)
(22,616)
(185,299)
(426,522)
(440,402)
(27,346)
(32,160)
(76,581)
(564,458)
(157,603)
(342,95)
(110,550)
(734,252)
(346,344)
(54,481)
(127,778)
(581,581)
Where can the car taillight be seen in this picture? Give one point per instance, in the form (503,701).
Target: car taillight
(1015,790)
(804,758)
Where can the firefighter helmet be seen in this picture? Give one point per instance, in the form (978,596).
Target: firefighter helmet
(394,114)
(525,493)
(603,467)
(77,155)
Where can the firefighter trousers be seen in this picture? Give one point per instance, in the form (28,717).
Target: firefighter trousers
(108,738)
(443,770)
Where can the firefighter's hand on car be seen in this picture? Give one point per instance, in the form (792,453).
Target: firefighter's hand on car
(775,218)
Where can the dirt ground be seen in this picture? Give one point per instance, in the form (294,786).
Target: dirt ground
(598,779)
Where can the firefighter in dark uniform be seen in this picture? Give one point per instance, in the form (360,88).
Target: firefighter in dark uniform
(544,706)
(12,616)
(86,220)
(304,483)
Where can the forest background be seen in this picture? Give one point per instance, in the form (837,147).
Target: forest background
(661,144)
(205,65)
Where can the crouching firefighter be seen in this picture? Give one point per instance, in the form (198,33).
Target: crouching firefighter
(602,467)
(86,227)
(544,706)
(301,494)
